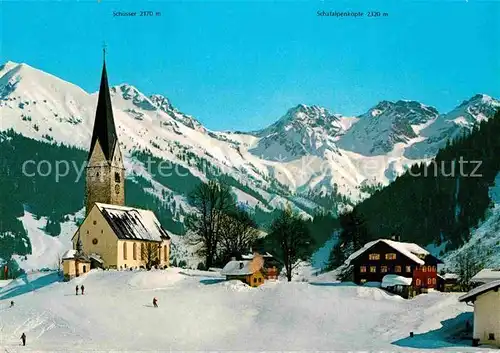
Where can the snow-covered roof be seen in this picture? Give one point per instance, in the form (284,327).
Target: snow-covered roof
(240,268)
(395,280)
(473,294)
(410,250)
(73,254)
(486,275)
(133,223)
(450,276)
(96,257)
(69,254)
(251,256)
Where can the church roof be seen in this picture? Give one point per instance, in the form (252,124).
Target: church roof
(104,124)
(133,223)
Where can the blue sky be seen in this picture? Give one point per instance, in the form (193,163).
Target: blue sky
(241,65)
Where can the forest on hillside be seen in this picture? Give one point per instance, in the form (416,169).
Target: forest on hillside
(42,195)
(435,203)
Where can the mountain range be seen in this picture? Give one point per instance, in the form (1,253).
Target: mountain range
(312,158)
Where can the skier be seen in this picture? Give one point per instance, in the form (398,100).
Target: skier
(82,288)
(76,289)
(11,303)
(155,302)
(23,338)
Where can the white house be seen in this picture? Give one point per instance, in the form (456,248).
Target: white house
(486,300)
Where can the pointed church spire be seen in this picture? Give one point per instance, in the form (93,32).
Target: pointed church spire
(104,125)
(79,245)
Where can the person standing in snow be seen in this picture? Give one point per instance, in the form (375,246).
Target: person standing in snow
(155,302)
(82,288)
(76,289)
(23,338)
(11,303)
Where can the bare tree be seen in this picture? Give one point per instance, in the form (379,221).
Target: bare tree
(211,201)
(468,263)
(58,263)
(149,254)
(237,233)
(289,240)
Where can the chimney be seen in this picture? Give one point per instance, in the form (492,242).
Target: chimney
(241,265)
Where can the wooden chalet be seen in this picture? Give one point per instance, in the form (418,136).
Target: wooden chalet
(383,257)
(247,271)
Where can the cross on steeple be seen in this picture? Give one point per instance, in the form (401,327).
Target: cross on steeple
(104,51)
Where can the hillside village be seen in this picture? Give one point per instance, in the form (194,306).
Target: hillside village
(250,279)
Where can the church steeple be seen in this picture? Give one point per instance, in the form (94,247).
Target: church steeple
(105,175)
(104,125)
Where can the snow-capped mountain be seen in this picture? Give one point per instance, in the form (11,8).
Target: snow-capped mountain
(300,132)
(450,125)
(308,151)
(383,126)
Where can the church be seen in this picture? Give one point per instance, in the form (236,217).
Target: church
(112,235)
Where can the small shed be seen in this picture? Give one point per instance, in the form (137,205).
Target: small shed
(247,271)
(398,285)
(486,300)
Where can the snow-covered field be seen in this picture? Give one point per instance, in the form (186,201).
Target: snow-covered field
(199,312)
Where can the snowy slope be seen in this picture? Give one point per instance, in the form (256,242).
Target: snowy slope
(486,236)
(197,312)
(46,250)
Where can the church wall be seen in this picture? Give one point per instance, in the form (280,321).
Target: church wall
(107,241)
(117,179)
(129,261)
(69,269)
(105,182)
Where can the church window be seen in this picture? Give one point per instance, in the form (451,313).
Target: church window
(94,241)
(142,251)
(97,174)
(117,188)
(424,269)
(429,268)
(134,251)
(117,177)
(124,251)
(165,253)
(95,222)
(429,280)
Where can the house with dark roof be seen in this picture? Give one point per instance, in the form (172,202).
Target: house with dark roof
(486,301)
(113,235)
